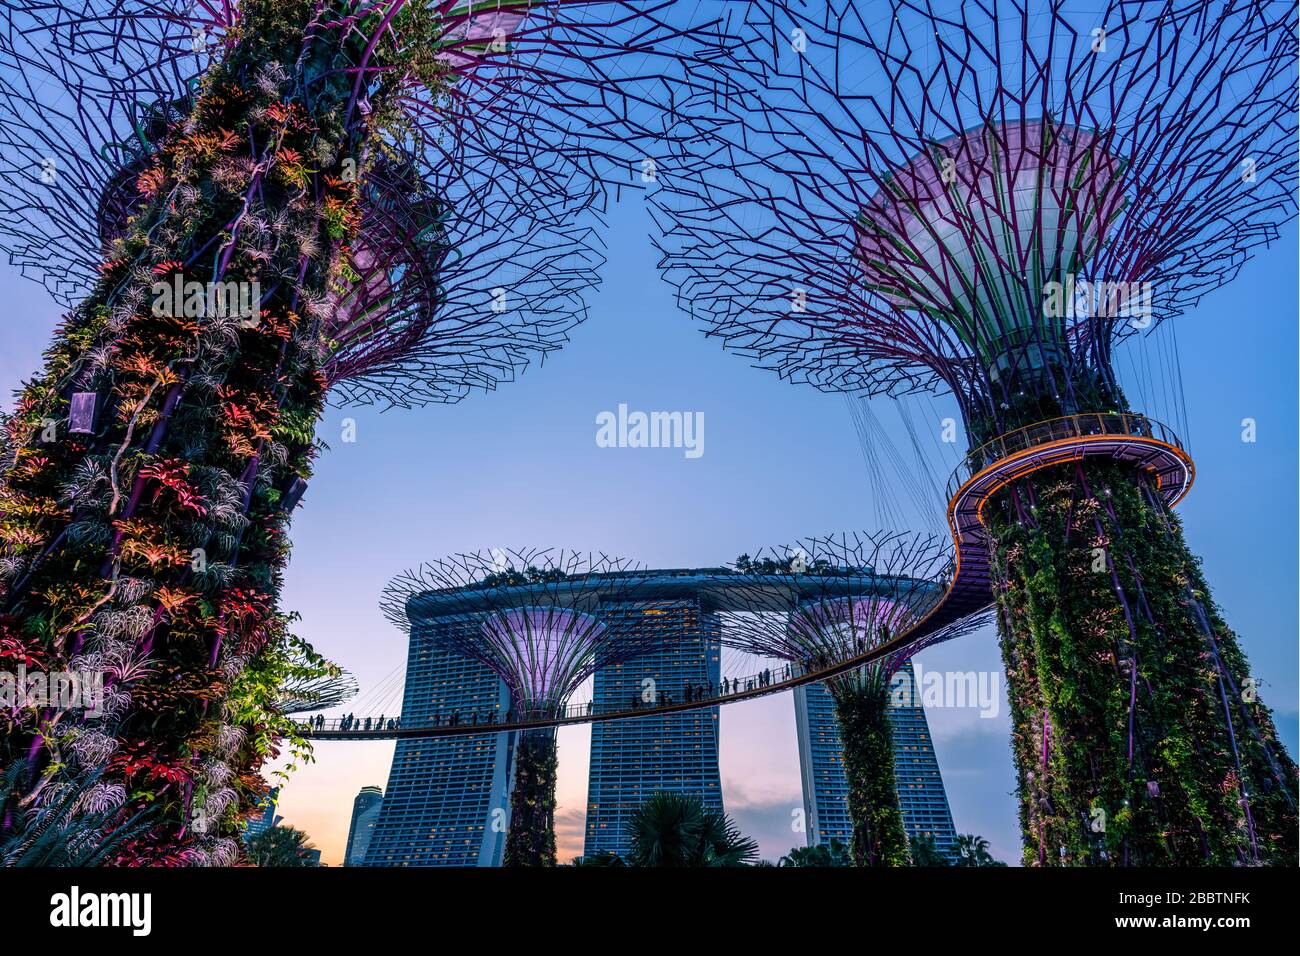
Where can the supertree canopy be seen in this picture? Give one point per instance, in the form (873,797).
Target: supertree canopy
(282,200)
(317,693)
(849,594)
(471,255)
(533,617)
(889,193)
(986,197)
(410,321)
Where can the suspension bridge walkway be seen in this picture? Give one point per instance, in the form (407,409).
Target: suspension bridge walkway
(966,590)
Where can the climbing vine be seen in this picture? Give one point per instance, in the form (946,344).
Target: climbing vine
(1139,738)
(149,542)
(862,709)
(530,840)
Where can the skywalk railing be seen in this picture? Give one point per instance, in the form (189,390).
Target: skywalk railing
(1059,429)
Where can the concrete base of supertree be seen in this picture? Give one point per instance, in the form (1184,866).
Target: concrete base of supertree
(862,709)
(530,840)
(1138,734)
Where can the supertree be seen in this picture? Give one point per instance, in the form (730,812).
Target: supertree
(848,594)
(533,617)
(317,693)
(410,321)
(378,201)
(986,198)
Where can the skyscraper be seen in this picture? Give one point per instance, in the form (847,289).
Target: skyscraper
(365,814)
(632,759)
(921,794)
(260,824)
(447,801)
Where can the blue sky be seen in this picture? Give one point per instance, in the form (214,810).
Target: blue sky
(522,467)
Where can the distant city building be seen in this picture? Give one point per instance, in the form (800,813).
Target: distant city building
(365,814)
(633,759)
(921,793)
(447,801)
(266,819)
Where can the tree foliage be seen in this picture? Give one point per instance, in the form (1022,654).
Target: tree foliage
(281,846)
(973,850)
(153,547)
(1138,735)
(862,710)
(74,825)
(678,830)
(832,853)
(925,853)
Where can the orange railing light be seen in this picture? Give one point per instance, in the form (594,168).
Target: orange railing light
(1055,429)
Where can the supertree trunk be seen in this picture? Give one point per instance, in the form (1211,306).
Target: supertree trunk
(1043,802)
(1157,750)
(520,614)
(849,593)
(531,837)
(862,709)
(152,547)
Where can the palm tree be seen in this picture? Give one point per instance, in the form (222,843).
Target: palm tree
(973,850)
(676,829)
(280,846)
(925,853)
(834,853)
(600,859)
(81,824)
